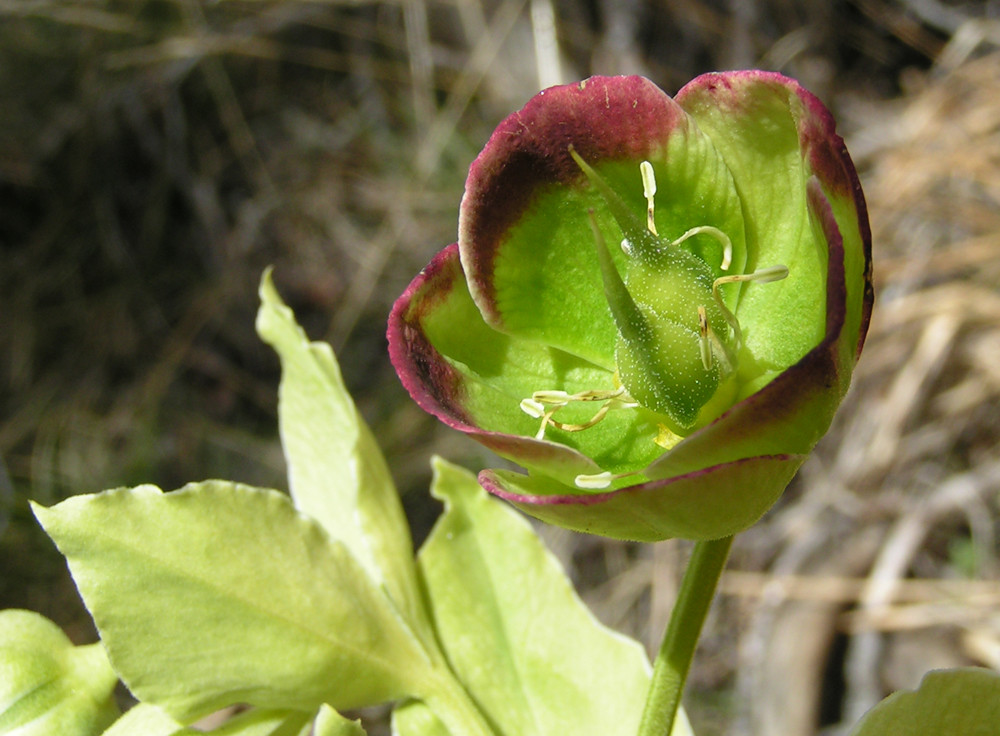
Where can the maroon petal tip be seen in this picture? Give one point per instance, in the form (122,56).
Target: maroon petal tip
(602,118)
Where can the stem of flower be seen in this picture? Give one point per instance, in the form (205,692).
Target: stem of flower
(677,650)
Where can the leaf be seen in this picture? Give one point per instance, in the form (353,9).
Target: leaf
(47,685)
(148,720)
(221,593)
(145,720)
(960,701)
(262,722)
(416,719)
(336,471)
(330,723)
(526,648)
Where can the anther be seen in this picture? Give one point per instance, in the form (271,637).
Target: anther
(594,482)
(533,408)
(666,437)
(703,344)
(648,191)
(544,404)
(599,481)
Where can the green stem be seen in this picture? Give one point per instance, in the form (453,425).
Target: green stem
(674,658)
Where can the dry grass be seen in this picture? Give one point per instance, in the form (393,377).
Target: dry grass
(155,156)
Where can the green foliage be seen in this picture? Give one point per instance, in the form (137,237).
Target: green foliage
(513,628)
(220,593)
(145,720)
(961,701)
(48,686)
(336,472)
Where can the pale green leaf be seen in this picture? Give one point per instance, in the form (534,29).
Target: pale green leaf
(48,686)
(330,723)
(518,637)
(145,720)
(961,701)
(220,593)
(337,474)
(262,722)
(416,719)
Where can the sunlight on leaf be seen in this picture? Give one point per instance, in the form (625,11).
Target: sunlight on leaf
(144,720)
(332,456)
(330,723)
(960,701)
(416,719)
(515,631)
(221,593)
(48,686)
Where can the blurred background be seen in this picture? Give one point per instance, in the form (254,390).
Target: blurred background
(157,155)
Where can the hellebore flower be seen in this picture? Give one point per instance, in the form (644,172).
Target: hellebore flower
(654,305)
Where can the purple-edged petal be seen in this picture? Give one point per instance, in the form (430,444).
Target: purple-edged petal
(775,136)
(704,504)
(524,233)
(473,379)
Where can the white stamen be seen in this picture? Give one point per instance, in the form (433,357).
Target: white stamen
(544,404)
(551,397)
(546,418)
(598,481)
(771,273)
(648,191)
(534,409)
(727,244)
(594,482)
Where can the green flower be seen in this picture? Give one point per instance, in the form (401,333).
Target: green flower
(655,305)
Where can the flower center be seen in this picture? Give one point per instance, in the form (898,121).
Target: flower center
(677,340)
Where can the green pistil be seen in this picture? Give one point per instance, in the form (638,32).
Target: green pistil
(678,341)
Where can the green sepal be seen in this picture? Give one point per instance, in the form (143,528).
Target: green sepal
(481,375)
(524,216)
(706,504)
(47,685)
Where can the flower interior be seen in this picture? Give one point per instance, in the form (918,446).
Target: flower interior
(678,345)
